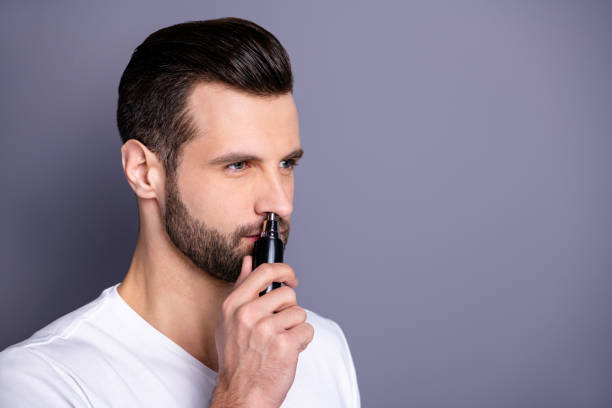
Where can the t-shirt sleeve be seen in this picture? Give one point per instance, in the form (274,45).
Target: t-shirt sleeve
(28,379)
(348,363)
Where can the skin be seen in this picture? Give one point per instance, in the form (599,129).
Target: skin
(225,325)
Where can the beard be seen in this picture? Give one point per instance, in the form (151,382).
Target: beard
(215,253)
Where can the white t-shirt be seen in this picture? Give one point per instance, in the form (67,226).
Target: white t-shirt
(105,355)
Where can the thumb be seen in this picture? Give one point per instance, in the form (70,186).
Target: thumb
(247,264)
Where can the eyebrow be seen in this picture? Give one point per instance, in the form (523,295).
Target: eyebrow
(235,157)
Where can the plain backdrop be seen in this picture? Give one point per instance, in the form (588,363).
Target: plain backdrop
(452,210)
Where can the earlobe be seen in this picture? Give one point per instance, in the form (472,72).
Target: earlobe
(141,168)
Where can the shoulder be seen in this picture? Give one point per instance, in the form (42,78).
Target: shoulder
(327,331)
(28,379)
(67,325)
(32,371)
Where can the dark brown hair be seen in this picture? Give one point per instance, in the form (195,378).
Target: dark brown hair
(164,69)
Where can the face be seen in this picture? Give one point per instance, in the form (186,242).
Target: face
(238,167)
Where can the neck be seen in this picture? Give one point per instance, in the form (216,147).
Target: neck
(174,296)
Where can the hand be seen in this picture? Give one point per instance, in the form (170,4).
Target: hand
(259,338)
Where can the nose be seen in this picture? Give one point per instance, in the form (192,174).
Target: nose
(275,195)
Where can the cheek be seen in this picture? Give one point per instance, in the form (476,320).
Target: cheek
(219,203)
(234,202)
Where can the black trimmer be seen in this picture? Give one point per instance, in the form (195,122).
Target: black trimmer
(269,248)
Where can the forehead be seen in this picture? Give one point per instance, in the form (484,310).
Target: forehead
(227,119)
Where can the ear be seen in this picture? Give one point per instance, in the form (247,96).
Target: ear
(143,170)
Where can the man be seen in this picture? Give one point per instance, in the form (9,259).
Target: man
(210,141)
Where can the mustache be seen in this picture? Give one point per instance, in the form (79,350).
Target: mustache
(255,229)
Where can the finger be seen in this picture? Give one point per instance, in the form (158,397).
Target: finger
(275,301)
(247,264)
(275,325)
(288,318)
(262,276)
(300,335)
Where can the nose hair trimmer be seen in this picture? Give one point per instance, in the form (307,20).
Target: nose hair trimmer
(269,248)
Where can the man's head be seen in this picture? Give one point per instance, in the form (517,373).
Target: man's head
(210,133)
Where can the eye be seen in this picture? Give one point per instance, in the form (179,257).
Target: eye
(237,166)
(288,164)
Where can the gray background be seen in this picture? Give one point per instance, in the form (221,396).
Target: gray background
(452,207)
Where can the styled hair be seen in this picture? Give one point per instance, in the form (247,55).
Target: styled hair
(165,68)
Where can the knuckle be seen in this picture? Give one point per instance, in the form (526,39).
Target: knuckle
(262,270)
(288,294)
(268,272)
(282,344)
(285,267)
(282,269)
(306,336)
(264,267)
(289,270)
(271,272)
(243,316)
(264,329)
(301,313)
